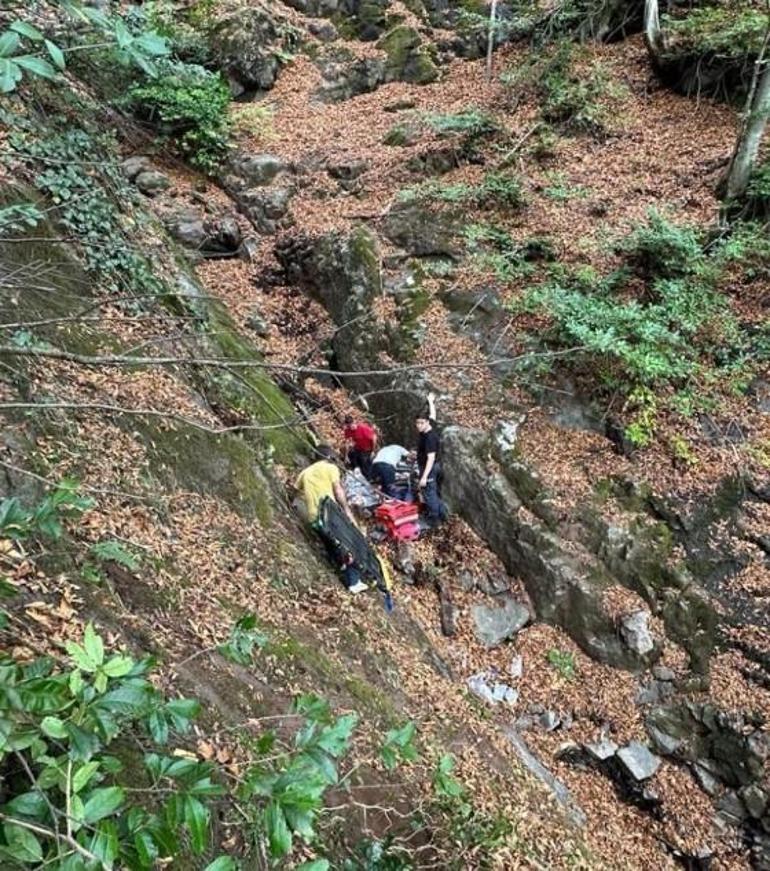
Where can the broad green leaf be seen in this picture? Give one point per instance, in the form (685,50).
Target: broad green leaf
(38,66)
(196,817)
(24,28)
(9,42)
(83,774)
(122,36)
(80,657)
(22,844)
(77,812)
(389,758)
(10,75)
(93,644)
(279,836)
(76,682)
(56,54)
(28,804)
(334,739)
(83,744)
(103,802)
(104,844)
(158,727)
(118,666)
(223,863)
(146,848)
(314,865)
(53,727)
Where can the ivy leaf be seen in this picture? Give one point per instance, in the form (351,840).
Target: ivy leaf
(36,65)
(146,848)
(28,804)
(56,54)
(25,29)
(278,832)
(103,802)
(22,844)
(83,775)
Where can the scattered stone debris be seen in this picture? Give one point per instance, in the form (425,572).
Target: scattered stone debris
(639,762)
(634,628)
(487,687)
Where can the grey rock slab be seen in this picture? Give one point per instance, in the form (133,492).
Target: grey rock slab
(492,624)
(254,170)
(638,761)
(549,721)
(151,182)
(602,749)
(755,800)
(634,629)
(664,742)
(731,808)
(135,164)
(661,672)
(516,668)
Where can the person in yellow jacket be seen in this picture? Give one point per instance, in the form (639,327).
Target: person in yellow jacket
(319,481)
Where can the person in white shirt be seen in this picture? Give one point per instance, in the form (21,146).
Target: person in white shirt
(384,467)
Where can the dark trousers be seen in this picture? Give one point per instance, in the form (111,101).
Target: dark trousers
(435,508)
(341,560)
(385,475)
(361,460)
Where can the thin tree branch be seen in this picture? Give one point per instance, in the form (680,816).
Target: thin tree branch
(225,363)
(49,833)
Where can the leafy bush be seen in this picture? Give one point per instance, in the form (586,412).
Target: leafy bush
(69,797)
(47,518)
(730,30)
(89,192)
(19,217)
(496,190)
(663,249)
(636,343)
(472,123)
(758,190)
(577,101)
(188,104)
(27,51)
(493,248)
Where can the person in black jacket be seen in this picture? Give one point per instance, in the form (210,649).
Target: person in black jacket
(429,464)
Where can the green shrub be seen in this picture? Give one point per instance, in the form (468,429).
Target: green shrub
(663,249)
(473,123)
(496,190)
(636,343)
(730,30)
(577,101)
(492,248)
(563,662)
(188,105)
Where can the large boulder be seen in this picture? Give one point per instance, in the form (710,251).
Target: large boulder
(218,236)
(250,47)
(409,58)
(345,76)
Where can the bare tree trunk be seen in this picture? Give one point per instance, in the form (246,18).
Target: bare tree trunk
(491,38)
(652,32)
(752,127)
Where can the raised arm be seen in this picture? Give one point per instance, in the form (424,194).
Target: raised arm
(432,406)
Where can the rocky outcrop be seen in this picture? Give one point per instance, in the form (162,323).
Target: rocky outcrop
(423,231)
(250,47)
(262,185)
(485,487)
(209,236)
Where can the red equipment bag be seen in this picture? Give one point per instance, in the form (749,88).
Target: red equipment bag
(395,513)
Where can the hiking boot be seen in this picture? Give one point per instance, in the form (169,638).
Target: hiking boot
(358,587)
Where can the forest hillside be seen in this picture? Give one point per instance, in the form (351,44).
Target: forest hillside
(226,226)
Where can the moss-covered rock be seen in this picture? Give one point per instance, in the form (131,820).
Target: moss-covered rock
(409,59)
